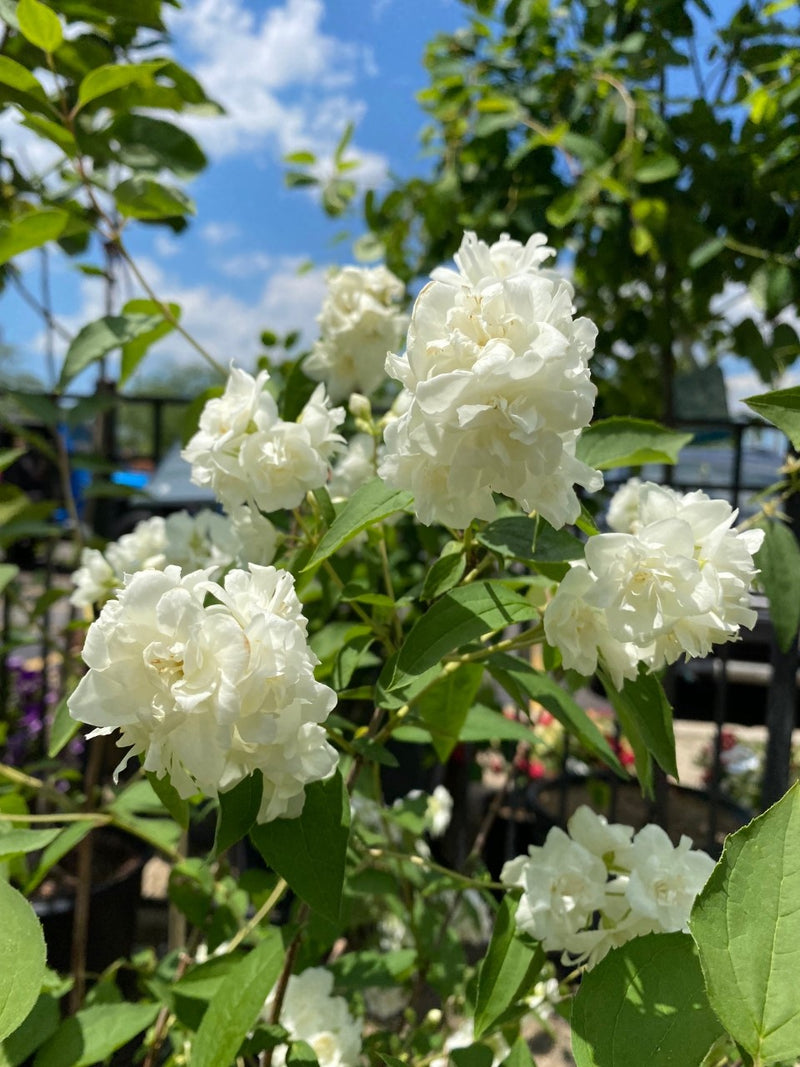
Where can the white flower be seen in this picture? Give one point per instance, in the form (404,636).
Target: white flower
(210,693)
(256,536)
(665,879)
(312,1013)
(611,842)
(246,454)
(438,810)
(563,885)
(496,369)
(359,323)
(623,509)
(677,584)
(192,542)
(580,630)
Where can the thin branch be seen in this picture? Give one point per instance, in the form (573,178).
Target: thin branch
(50,321)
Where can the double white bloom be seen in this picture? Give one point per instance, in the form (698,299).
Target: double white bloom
(636,885)
(247,454)
(496,371)
(673,578)
(359,323)
(210,692)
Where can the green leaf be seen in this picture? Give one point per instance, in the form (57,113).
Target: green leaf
(644,1003)
(15,76)
(746,923)
(472,1056)
(369,504)
(523,683)
(643,701)
(309,851)
(239,998)
(238,808)
(134,351)
(778,560)
(444,707)
(145,198)
(508,970)
(63,843)
(8,572)
(51,131)
(34,1031)
(94,1033)
(520,1055)
(170,798)
(657,168)
(461,616)
(22,959)
(30,231)
(107,79)
(623,442)
(782,408)
(102,336)
(63,727)
(444,574)
(17,842)
(533,541)
(301,1054)
(39,25)
(705,252)
(147,143)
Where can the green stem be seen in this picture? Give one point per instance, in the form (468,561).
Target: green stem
(259,916)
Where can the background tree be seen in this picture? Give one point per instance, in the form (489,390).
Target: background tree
(656,149)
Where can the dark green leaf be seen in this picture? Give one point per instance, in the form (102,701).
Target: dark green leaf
(508,971)
(644,1003)
(778,560)
(102,336)
(235,1006)
(623,442)
(147,143)
(34,1031)
(66,840)
(238,808)
(444,707)
(644,702)
(170,798)
(443,575)
(369,504)
(8,572)
(94,1033)
(145,198)
(782,408)
(17,842)
(301,1054)
(134,351)
(746,923)
(459,617)
(523,683)
(22,959)
(309,852)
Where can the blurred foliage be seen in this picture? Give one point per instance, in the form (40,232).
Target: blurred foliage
(657,150)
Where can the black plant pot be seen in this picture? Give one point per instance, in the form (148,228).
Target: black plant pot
(118,861)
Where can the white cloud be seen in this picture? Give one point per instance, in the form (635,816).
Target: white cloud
(285,84)
(227,326)
(219,233)
(246,264)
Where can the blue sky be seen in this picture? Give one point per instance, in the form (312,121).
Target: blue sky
(291,74)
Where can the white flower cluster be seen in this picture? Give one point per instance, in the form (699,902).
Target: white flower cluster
(637,884)
(209,692)
(312,1013)
(192,542)
(359,323)
(673,578)
(497,373)
(247,454)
